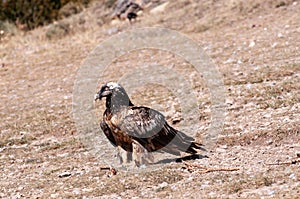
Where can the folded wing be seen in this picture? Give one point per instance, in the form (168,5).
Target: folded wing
(151,130)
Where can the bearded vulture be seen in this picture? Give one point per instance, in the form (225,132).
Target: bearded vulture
(139,130)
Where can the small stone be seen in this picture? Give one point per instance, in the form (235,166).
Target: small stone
(220,150)
(54,195)
(269,141)
(274,45)
(280,35)
(64,174)
(174,187)
(252,44)
(76,191)
(163,185)
(292,176)
(229,101)
(204,186)
(271,192)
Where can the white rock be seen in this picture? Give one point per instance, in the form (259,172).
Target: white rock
(280,35)
(54,195)
(76,191)
(293,176)
(271,192)
(252,44)
(274,45)
(164,184)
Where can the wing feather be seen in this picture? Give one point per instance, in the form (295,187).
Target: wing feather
(106,130)
(151,130)
(141,122)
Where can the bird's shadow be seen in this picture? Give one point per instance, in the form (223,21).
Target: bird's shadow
(185,158)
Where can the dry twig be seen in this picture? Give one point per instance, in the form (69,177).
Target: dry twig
(112,171)
(218,169)
(285,163)
(191,167)
(105,168)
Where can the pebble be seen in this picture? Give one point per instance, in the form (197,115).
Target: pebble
(163,185)
(54,195)
(65,174)
(292,176)
(220,150)
(271,192)
(76,191)
(252,44)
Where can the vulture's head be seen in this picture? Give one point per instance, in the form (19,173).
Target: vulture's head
(107,90)
(114,93)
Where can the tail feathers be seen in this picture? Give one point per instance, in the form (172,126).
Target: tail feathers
(182,141)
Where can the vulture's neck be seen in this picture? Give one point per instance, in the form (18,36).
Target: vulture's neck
(117,101)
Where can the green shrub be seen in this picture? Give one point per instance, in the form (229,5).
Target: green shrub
(33,13)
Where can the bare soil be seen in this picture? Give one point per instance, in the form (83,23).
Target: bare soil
(254,44)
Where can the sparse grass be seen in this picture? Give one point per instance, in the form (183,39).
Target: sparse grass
(49,146)
(123,181)
(15,139)
(37,131)
(247,182)
(279,136)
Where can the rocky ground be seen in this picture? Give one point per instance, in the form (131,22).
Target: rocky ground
(256,48)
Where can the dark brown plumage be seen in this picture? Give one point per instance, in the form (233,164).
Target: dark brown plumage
(139,129)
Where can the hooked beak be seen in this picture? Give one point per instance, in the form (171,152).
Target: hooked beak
(97,97)
(101,94)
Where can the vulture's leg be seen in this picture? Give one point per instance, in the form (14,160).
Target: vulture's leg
(140,155)
(124,156)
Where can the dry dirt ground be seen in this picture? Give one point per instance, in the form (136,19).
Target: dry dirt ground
(254,44)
